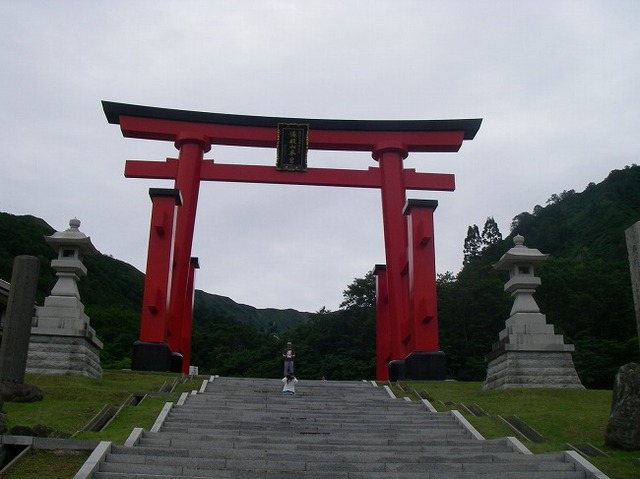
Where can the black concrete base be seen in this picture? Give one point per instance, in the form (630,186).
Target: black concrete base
(176,362)
(429,366)
(151,357)
(396,370)
(419,365)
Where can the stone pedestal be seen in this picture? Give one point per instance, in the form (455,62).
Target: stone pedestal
(532,369)
(62,341)
(530,355)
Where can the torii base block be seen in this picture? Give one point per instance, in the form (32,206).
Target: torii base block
(426,365)
(419,366)
(151,357)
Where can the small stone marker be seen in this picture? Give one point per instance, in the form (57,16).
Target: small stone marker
(17,329)
(623,428)
(632,235)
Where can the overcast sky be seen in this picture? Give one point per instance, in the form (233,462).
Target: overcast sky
(557,84)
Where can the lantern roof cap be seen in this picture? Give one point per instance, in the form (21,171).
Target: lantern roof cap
(72,237)
(519,254)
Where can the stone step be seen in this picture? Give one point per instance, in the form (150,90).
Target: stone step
(334,425)
(189,467)
(293,429)
(278,422)
(359,407)
(336,414)
(301,442)
(220,468)
(370,410)
(259,449)
(227,474)
(476,453)
(257,424)
(353,435)
(274,416)
(342,409)
(385,437)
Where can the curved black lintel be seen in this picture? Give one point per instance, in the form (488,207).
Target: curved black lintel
(168,193)
(114,110)
(418,203)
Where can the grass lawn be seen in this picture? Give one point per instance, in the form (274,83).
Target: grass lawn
(70,402)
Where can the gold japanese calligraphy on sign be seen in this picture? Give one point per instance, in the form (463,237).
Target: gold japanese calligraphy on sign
(292,146)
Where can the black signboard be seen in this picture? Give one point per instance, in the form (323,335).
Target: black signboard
(292,146)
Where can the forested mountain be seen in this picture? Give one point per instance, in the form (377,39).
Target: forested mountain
(586,226)
(586,287)
(585,293)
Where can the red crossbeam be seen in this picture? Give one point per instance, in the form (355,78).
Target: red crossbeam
(166,170)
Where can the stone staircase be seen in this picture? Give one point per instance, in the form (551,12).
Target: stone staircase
(245,428)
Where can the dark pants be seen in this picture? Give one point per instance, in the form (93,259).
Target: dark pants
(288,366)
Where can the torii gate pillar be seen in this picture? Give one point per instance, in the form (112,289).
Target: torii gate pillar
(425,360)
(390,158)
(151,351)
(192,147)
(416,354)
(384,335)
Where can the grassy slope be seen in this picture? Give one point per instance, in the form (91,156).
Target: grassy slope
(70,402)
(561,415)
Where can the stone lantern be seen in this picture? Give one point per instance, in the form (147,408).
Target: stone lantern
(521,261)
(72,246)
(62,341)
(528,353)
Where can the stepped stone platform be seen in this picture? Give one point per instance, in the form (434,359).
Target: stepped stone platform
(245,428)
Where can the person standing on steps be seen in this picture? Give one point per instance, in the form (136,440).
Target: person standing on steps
(289,356)
(289,388)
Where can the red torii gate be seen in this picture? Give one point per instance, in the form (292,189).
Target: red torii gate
(406,313)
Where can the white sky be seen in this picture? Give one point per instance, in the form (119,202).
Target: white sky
(556,82)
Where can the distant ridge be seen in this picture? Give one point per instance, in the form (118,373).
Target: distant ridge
(257,318)
(24,234)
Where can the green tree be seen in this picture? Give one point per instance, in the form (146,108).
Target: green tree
(472,244)
(361,293)
(490,233)
(472,309)
(118,327)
